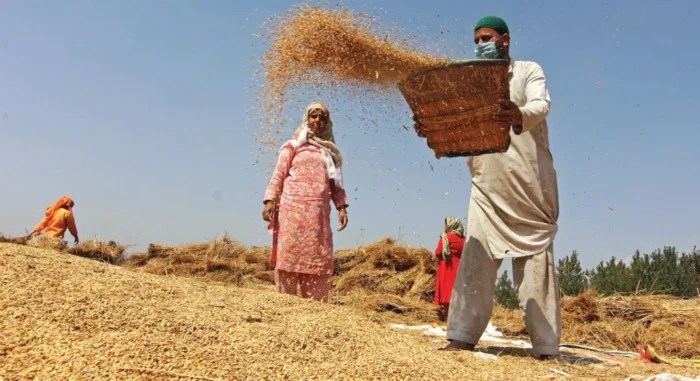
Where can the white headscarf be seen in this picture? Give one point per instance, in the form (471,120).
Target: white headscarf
(325,141)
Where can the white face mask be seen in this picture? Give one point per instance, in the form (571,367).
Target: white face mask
(488,50)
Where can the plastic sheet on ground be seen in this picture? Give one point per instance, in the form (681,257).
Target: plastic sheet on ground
(573,354)
(491,334)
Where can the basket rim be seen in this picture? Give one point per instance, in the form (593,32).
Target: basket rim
(470,62)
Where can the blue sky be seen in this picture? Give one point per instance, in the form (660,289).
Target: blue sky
(142,112)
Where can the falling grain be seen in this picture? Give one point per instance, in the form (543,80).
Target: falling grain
(310,46)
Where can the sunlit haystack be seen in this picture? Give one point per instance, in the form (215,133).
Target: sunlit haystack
(16,240)
(44,241)
(387,277)
(221,260)
(110,252)
(622,322)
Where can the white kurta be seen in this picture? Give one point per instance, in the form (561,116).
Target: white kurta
(514,194)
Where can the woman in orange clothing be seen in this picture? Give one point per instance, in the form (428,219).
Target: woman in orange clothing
(57,219)
(448,252)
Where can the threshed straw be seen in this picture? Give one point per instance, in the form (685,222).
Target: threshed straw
(630,308)
(394,280)
(630,322)
(387,277)
(221,260)
(16,240)
(583,308)
(88,320)
(44,241)
(624,323)
(386,307)
(110,252)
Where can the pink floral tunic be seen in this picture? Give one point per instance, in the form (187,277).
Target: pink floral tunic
(302,237)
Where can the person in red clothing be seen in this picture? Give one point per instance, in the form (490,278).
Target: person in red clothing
(448,253)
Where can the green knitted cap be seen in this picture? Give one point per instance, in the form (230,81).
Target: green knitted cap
(494,22)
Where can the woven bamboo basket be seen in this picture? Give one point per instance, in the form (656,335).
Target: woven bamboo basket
(455,103)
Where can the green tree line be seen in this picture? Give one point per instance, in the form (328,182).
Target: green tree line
(664,271)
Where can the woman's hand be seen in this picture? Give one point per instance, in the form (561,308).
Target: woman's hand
(342,218)
(268,210)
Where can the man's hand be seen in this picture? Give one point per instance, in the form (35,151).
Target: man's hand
(342,218)
(420,129)
(510,113)
(268,210)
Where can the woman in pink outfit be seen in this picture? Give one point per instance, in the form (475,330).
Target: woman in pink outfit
(297,205)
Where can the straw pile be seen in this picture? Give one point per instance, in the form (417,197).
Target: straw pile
(629,323)
(623,322)
(395,283)
(387,277)
(16,240)
(222,260)
(163,328)
(110,252)
(43,241)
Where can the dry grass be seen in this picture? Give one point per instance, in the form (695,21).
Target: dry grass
(67,319)
(388,308)
(387,277)
(383,277)
(581,309)
(16,240)
(625,323)
(394,283)
(509,321)
(220,260)
(386,267)
(110,252)
(43,241)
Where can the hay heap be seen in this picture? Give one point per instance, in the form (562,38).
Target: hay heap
(387,277)
(43,241)
(380,277)
(623,322)
(393,282)
(110,252)
(16,240)
(222,260)
(86,320)
(630,322)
